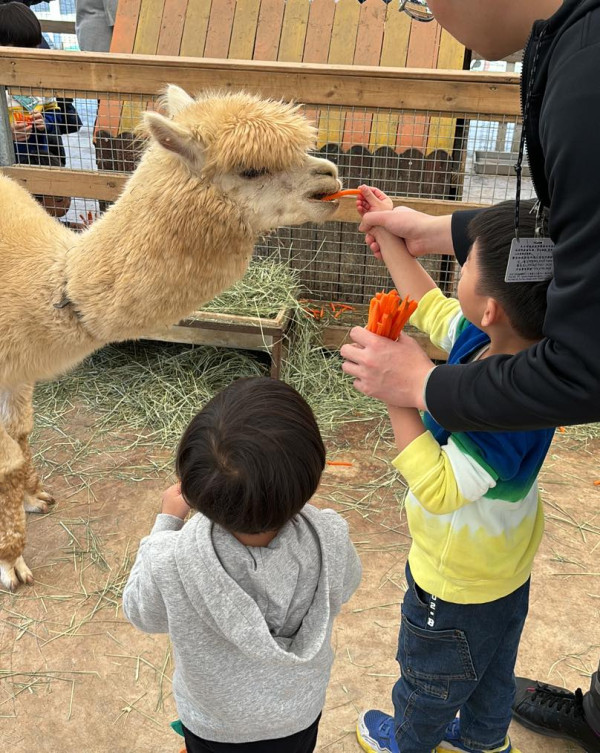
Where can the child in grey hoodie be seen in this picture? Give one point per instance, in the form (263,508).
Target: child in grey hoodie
(249,587)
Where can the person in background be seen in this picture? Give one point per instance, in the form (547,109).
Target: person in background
(37,123)
(43,44)
(94,22)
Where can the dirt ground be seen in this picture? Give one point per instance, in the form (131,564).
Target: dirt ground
(74,676)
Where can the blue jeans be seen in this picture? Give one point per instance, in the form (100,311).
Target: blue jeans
(456,657)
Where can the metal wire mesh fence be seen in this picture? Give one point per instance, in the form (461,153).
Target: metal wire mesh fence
(406,153)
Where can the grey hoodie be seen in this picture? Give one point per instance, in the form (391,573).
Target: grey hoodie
(250,626)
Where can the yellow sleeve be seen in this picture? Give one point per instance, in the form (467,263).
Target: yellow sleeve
(438,316)
(443,479)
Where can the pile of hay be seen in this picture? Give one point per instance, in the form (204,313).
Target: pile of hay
(150,390)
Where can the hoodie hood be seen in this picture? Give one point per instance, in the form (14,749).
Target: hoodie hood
(273,603)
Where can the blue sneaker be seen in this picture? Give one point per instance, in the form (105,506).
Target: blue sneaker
(375,732)
(452,742)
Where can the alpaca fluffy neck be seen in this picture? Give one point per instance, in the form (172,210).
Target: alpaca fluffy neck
(168,245)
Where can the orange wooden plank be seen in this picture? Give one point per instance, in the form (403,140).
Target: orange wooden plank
(195,27)
(369,42)
(171,27)
(318,33)
(219,29)
(125,26)
(394,51)
(422,53)
(123,39)
(423,45)
(243,34)
(268,31)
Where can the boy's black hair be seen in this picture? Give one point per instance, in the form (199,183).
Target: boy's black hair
(523,302)
(252,457)
(19,26)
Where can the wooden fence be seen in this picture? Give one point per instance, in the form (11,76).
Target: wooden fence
(399,95)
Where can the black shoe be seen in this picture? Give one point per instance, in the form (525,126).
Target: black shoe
(554,712)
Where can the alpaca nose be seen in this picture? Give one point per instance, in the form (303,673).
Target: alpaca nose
(326,168)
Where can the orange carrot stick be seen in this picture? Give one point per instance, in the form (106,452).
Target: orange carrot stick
(338,194)
(339,462)
(388,313)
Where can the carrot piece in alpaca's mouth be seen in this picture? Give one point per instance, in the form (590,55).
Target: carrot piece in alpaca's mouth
(339,194)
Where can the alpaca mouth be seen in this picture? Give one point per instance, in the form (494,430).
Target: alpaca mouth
(320,196)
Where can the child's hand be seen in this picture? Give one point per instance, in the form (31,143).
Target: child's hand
(173,503)
(21,130)
(372,200)
(38,120)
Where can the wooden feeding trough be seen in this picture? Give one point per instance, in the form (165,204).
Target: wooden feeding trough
(231,331)
(335,333)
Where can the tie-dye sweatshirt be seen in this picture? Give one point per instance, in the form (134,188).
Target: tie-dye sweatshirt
(473,506)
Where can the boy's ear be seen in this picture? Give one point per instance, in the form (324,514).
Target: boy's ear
(493,313)
(172,137)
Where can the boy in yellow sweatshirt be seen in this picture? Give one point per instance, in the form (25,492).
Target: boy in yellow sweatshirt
(473,509)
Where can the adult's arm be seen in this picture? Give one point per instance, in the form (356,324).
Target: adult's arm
(557,381)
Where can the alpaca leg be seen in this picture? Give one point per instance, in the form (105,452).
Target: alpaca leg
(12,515)
(35,498)
(18,408)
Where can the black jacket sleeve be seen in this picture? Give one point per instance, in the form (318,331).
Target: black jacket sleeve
(460,233)
(557,381)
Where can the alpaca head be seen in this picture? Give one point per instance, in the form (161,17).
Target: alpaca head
(253,151)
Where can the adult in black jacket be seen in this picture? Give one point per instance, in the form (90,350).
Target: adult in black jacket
(557,381)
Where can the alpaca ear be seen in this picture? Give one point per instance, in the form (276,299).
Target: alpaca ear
(176,99)
(171,136)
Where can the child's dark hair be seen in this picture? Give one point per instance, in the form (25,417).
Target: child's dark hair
(252,457)
(19,26)
(494,230)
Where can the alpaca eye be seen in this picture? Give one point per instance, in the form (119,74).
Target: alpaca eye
(254,173)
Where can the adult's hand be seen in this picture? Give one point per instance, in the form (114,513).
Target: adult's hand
(422,233)
(394,372)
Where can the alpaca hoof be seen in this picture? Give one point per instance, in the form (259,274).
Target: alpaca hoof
(38,503)
(14,573)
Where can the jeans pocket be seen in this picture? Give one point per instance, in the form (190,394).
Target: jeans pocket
(430,659)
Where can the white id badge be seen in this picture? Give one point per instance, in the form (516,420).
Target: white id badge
(530,260)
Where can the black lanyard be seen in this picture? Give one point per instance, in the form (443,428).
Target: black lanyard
(519,164)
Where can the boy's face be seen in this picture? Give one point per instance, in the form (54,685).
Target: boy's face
(472,303)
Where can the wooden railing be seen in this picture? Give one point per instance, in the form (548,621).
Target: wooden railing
(57,26)
(484,96)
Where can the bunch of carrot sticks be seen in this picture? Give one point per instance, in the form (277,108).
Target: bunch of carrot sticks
(388,313)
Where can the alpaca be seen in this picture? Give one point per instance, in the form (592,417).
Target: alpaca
(221,170)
